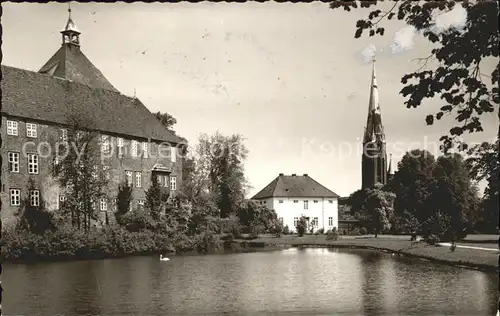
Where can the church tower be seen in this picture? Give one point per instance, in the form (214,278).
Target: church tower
(374,159)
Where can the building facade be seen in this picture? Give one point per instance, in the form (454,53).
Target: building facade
(295,196)
(374,165)
(36,112)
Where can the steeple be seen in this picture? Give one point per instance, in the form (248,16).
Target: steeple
(374,128)
(70,34)
(374,160)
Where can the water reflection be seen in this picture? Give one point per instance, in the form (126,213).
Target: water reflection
(295,281)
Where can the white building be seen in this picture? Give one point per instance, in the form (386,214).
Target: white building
(295,196)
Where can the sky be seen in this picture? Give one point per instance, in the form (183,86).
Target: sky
(291,78)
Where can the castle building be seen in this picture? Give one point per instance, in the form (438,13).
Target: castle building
(35,111)
(374,166)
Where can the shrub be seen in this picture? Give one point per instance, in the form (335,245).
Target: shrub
(363,231)
(301,226)
(277,228)
(286,230)
(320,231)
(332,234)
(432,239)
(354,232)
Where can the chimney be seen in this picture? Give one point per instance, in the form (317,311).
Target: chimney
(305,174)
(281,174)
(294,174)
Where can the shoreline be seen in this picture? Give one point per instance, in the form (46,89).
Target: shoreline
(486,261)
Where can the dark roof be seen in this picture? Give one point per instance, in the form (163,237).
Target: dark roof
(295,186)
(70,63)
(31,95)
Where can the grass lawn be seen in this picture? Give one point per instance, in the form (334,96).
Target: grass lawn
(485,260)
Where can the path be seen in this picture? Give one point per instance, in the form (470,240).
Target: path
(447,244)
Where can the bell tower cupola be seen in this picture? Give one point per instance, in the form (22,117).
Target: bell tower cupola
(70,34)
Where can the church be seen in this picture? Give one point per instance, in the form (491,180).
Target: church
(374,166)
(35,110)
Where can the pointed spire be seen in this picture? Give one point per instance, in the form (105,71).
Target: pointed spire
(374,127)
(71,33)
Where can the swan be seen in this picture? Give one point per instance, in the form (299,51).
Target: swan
(163,259)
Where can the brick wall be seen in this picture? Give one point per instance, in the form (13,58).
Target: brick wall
(47,134)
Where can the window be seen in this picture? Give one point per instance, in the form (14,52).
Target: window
(306,204)
(31,130)
(164,181)
(13,162)
(173,154)
(280,201)
(138,178)
(104,204)
(64,135)
(134,148)
(141,202)
(32,164)
(173,183)
(114,205)
(12,128)
(295,221)
(145,149)
(119,144)
(295,201)
(315,201)
(330,221)
(129,178)
(15,197)
(106,148)
(34,198)
(315,222)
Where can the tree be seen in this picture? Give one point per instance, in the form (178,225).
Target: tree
(452,193)
(156,199)
(123,201)
(411,184)
(379,208)
(220,170)
(33,216)
(457,78)
(484,164)
(301,226)
(81,172)
(254,216)
(167,120)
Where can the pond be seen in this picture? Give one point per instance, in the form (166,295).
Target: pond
(287,282)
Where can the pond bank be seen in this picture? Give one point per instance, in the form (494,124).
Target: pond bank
(462,257)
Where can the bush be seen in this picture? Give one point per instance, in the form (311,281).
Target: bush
(301,226)
(354,232)
(363,231)
(432,239)
(277,228)
(286,230)
(332,234)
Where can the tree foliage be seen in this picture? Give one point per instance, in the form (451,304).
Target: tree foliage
(79,169)
(254,216)
(156,198)
(220,171)
(466,91)
(123,200)
(379,207)
(166,120)
(301,226)
(35,218)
